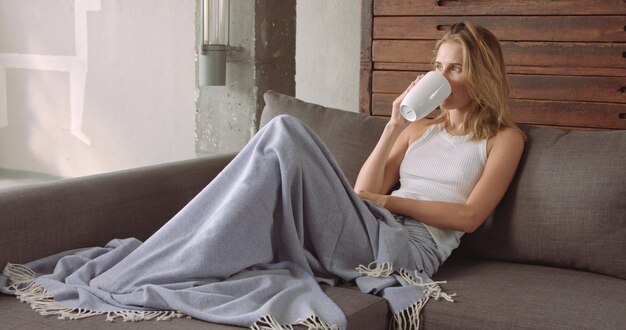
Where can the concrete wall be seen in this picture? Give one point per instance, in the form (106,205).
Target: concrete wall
(89,86)
(226,114)
(262,57)
(327,52)
(324,43)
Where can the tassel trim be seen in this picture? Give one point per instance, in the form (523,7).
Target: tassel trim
(408,318)
(268,322)
(382,270)
(431,289)
(133,316)
(24,286)
(22,283)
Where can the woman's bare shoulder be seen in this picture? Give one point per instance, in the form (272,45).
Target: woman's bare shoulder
(418,128)
(509,138)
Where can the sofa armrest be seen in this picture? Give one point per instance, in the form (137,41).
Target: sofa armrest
(43,219)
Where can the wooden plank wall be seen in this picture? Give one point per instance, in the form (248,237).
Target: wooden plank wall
(566,59)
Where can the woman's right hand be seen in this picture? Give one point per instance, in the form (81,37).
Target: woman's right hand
(381,169)
(396,116)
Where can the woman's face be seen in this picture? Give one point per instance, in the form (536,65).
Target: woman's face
(449,62)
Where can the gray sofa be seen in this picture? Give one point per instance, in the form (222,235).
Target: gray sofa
(552,256)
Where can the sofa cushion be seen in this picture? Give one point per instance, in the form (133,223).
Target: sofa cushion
(349,135)
(566,206)
(502,295)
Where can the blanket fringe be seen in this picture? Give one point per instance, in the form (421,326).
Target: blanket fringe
(133,316)
(268,322)
(382,270)
(315,323)
(22,283)
(431,289)
(408,319)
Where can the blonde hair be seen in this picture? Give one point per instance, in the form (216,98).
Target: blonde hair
(485,78)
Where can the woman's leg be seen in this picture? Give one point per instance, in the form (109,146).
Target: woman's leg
(283,198)
(278,214)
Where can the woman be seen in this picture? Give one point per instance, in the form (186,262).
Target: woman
(449,195)
(251,248)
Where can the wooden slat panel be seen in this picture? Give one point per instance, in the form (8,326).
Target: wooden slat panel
(578,114)
(515,53)
(566,88)
(565,54)
(560,71)
(397,66)
(403,51)
(552,113)
(365,87)
(365,71)
(394,82)
(381,103)
(516,28)
(498,7)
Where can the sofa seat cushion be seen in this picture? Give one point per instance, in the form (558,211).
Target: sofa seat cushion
(499,295)
(363,311)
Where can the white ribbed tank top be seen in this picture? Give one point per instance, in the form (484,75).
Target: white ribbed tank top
(442,167)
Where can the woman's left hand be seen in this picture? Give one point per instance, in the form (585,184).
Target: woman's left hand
(379,199)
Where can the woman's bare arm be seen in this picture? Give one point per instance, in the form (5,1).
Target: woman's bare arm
(383,164)
(500,168)
(380,171)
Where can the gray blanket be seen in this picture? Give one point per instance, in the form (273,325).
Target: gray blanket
(249,250)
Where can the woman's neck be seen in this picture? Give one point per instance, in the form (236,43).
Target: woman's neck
(456,125)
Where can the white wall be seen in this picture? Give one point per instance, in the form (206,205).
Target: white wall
(90,86)
(328,36)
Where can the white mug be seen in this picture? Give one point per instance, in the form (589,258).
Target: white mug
(425,96)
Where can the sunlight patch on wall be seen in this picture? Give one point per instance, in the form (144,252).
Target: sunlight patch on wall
(75,65)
